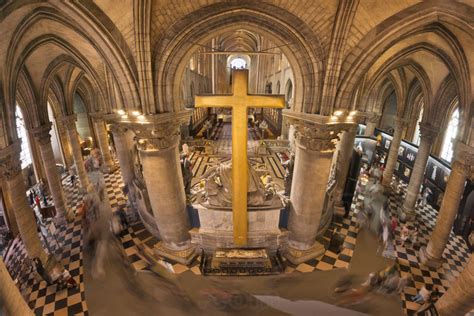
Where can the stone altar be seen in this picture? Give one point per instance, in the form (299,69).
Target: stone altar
(214,208)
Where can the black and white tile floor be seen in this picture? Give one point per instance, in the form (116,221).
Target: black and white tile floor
(47,300)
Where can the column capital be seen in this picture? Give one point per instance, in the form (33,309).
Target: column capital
(10,163)
(429,131)
(158,136)
(69,121)
(464,159)
(118,128)
(41,133)
(373,117)
(317,137)
(97,117)
(318,132)
(401,122)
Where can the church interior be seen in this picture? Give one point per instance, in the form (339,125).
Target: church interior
(236,157)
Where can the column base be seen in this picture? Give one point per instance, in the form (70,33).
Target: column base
(109,169)
(185,256)
(429,261)
(410,214)
(60,219)
(297,256)
(339,210)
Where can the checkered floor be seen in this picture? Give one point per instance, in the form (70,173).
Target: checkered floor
(66,243)
(455,255)
(47,300)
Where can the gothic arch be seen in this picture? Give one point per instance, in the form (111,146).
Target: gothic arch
(300,46)
(421,18)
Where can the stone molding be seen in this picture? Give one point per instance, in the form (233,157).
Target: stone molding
(428,131)
(69,121)
(10,164)
(42,134)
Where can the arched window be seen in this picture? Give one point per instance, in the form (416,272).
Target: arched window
(25,155)
(450,135)
(416,135)
(238,63)
(278,87)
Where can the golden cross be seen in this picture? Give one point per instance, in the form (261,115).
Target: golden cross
(239,101)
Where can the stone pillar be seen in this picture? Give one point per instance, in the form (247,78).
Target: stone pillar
(10,170)
(103,140)
(372,122)
(70,125)
(315,147)
(124,148)
(161,168)
(43,139)
(428,134)
(10,298)
(461,168)
(400,124)
(459,299)
(13,225)
(344,155)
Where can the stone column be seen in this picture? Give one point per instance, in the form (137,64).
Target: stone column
(70,125)
(10,298)
(459,299)
(344,155)
(10,170)
(161,168)
(428,134)
(461,168)
(315,147)
(124,148)
(103,140)
(10,212)
(372,122)
(400,124)
(43,139)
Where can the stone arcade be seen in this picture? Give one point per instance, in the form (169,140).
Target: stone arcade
(314,141)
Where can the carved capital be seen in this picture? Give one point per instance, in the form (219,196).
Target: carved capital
(317,137)
(10,164)
(97,116)
(428,131)
(373,118)
(401,122)
(463,159)
(118,129)
(70,121)
(42,135)
(156,136)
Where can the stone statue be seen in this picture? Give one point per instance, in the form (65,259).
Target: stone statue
(218,187)
(289,166)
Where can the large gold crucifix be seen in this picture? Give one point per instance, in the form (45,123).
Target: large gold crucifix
(239,101)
